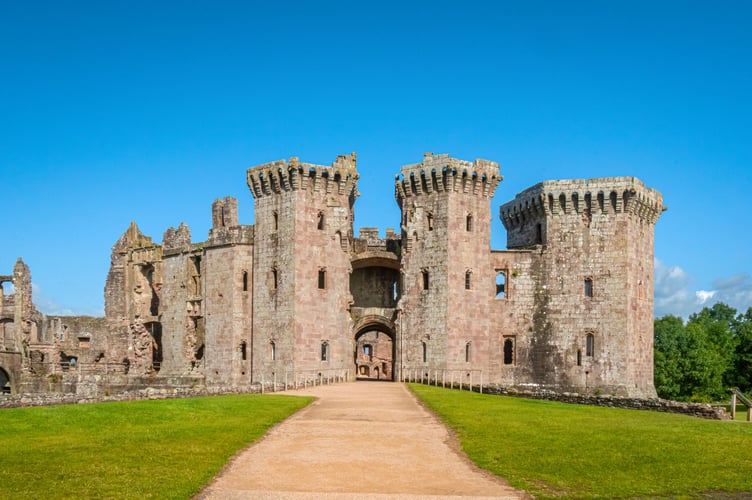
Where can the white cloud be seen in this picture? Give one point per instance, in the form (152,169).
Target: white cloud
(735,291)
(674,294)
(705,295)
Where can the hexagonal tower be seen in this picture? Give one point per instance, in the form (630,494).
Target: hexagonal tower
(592,314)
(301,268)
(446,269)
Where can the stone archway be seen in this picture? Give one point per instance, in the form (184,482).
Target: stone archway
(4,382)
(375,349)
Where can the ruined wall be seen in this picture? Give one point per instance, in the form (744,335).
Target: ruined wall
(229,296)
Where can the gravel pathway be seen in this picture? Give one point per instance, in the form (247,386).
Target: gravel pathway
(361,440)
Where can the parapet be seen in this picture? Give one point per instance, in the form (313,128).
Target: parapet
(281,176)
(441,173)
(608,195)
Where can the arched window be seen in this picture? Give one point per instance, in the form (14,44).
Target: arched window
(272,351)
(468,352)
(590,345)
(320,221)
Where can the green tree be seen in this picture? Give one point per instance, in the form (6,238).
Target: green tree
(669,332)
(743,358)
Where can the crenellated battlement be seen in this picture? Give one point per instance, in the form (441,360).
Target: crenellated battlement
(441,173)
(282,176)
(588,197)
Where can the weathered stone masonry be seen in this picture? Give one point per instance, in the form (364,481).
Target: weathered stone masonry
(296,297)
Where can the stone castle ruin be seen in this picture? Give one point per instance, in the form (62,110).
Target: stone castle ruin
(297,297)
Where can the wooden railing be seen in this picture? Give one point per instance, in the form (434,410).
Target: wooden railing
(737,394)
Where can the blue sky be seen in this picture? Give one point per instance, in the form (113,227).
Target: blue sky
(112,112)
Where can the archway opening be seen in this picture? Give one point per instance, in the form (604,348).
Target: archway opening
(374,353)
(4,382)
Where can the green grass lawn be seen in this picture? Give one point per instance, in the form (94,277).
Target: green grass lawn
(552,449)
(139,449)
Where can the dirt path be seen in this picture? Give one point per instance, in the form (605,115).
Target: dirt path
(362,440)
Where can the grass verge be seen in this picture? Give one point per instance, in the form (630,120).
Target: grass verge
(137,449)
(554,449)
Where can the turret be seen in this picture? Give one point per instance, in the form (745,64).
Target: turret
(303,233)
(446,268)
(593,273)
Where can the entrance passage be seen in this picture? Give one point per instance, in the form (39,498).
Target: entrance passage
(374,355)
(4,382)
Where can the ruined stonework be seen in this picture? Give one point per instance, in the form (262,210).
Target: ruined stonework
(296,297)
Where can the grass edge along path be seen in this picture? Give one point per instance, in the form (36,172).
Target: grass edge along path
(138,449)
(552,449)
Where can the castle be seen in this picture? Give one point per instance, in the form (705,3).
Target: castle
(297,296)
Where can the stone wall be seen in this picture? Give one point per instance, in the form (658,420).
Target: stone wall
(701,410)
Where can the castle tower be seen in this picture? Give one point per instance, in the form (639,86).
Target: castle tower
(446,270)
(592,315)
(301,268)
(223,321)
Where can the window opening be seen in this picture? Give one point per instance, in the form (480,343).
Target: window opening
(539,234)
(501,284)
(579,357)
(430,222)
(469,222)
(243,350)
(468,352)
(322,278)
(425,279)
(425,352)
(272,351)
(320,223)
(509,351)
(325,351)
(588,287)
(275,221)
(468,279)
(368,351)
(245,281)
(590,345)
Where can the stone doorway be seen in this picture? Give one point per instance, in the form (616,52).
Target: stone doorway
(4,382)
(374,354)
